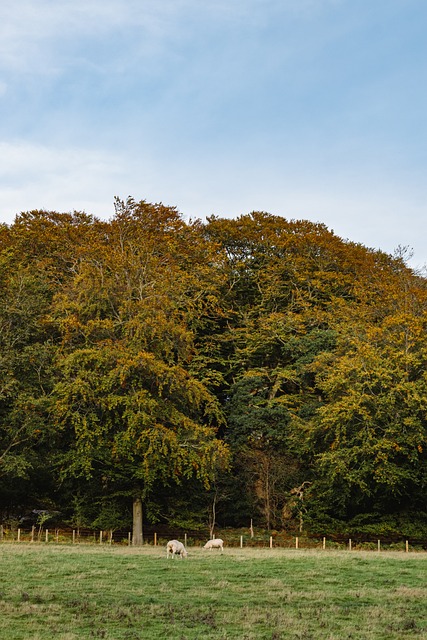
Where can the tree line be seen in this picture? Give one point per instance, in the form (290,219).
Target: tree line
(228,371)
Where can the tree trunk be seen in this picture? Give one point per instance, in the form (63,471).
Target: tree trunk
(137,538)
(212,517)
(267,495)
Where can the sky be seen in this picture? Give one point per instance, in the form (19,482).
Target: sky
(307,109)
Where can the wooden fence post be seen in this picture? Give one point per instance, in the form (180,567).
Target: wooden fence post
(407,546)
(19,535)
(271,542)
(296,543)
(74,536)
(47,535)
(129,538)
(241,542)
(349,545)
(379,545)
(100,537)
(155,539)
(324,543)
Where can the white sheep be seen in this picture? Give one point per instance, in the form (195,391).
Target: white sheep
(216,543)
(174,547)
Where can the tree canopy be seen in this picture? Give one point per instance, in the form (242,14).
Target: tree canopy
(250,357)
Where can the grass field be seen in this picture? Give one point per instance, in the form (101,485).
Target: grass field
(65,593)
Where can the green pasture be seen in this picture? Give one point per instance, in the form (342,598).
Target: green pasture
(70,592)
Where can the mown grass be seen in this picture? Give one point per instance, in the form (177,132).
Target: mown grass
(127,594)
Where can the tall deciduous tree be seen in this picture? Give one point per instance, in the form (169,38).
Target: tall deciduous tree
(25,367)
(371,430)
(133,411)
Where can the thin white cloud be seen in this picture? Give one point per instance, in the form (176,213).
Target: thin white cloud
(30,31)
(42,177)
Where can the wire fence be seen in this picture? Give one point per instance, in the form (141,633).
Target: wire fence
(232,538)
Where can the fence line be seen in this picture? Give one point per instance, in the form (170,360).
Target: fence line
(154,538)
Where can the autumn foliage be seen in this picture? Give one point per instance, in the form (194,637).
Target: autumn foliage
(260,366)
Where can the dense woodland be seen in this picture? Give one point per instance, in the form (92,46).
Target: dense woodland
(228,370)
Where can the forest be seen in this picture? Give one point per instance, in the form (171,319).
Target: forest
(233,370)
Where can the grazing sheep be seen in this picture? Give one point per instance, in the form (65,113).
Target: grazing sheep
(174,547)
(216,543)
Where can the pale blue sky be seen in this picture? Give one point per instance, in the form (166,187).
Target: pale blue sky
(313,109)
